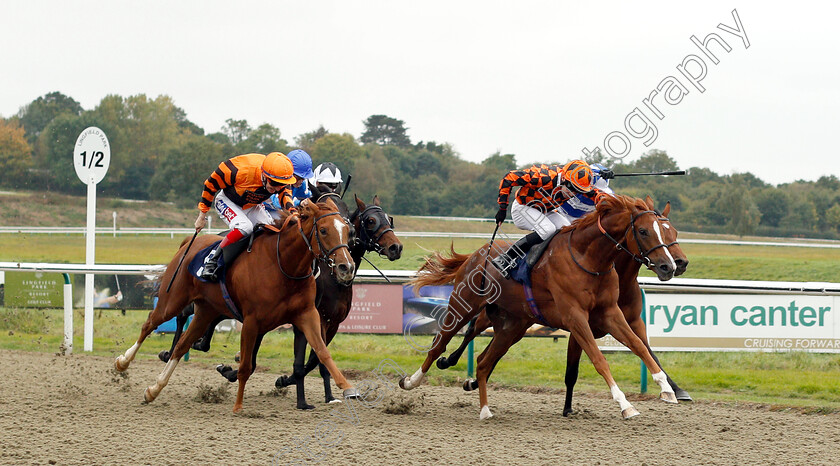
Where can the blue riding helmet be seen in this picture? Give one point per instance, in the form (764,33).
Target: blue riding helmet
(302,163)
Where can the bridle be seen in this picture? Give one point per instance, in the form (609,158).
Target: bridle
(642,257)
(368,237)
(325,257)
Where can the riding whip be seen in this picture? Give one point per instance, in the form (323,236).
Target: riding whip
(346,185)
(489,248)
(675,172)
(182,260)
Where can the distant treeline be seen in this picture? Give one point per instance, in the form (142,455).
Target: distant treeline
(158,153)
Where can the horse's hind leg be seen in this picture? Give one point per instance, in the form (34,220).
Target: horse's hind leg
(638,327)
(180,321)
(572,365)
(196,328)
(456,317)
(479,324)
(617,326)
(298,369)
(166,309)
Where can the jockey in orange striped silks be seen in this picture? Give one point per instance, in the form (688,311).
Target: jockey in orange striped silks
(237,189)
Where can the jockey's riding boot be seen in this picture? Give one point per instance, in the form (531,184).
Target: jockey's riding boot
(507,261)
(210,271)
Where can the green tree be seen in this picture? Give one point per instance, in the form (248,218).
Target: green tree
(15,155)
(832,217)
(306,141)
(36,115)
(374,175)
(340,149)
(266,138)
(774,205)
(384,130)
(181,174)
(737,205)
(237,131)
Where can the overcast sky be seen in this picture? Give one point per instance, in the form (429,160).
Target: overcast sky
(541,79)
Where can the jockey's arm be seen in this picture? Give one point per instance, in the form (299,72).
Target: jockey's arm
(514,178)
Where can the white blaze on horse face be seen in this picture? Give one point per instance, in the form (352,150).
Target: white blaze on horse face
(338,224)
(659,237)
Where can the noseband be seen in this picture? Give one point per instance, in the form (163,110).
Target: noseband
(325,257)
(365,235)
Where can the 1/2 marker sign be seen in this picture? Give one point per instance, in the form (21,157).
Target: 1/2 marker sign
(92,155)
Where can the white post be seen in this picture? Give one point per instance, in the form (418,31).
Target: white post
(90,250)
(68,318)
(115,224)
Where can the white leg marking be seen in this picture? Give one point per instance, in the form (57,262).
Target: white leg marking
(618,396)
(485,413)
(415,380)
(162,379)
(659,236)
(666,393)
(125,359)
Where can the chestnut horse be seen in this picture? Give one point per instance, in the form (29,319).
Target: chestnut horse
(575,287)
(271,286)
(629,300)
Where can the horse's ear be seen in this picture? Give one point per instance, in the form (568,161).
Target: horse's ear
(376,200)
(331,203)
(667,209)
(316,193)
(307,208)
(361,205)
(649,202)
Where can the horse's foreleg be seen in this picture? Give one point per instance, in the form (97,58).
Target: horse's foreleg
(298,372)
(195,329)
(638,327)
(579,327)
(247,345)
(479,324)
(309,322)
(572,365)
(617,327)
(180,321)
(325,374)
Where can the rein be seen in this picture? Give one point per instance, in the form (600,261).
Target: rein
(320,257)
(641,258)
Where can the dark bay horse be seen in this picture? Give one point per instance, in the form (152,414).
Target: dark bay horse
(266,286)
(629,300)
(575,287)
(374,233)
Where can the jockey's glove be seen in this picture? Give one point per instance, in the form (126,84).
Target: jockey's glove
(500,215)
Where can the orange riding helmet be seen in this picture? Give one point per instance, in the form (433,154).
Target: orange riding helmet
(579,175)
(277,167)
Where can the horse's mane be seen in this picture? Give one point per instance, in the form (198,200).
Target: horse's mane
(606,203)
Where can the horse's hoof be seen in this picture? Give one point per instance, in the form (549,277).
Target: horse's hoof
(237,408)
(283,381)
(567,412)
(236,358)
(147,395)
(485,413)
(119,365)
(668,397)
(629,412)
(402,383)
(351,393)
(333,401)
(305,406)
(164,356)
(682,395)
(470,385)
(443,363)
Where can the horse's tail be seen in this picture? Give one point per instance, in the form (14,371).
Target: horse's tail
(439,269)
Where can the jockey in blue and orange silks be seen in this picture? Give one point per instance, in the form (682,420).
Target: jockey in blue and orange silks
(237,189)
(550,198)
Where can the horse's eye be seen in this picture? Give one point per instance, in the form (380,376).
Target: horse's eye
(323,231)
(643,232)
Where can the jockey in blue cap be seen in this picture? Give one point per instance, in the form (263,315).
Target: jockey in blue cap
(302,163)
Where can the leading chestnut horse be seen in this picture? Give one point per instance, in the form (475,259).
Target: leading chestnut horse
(629,300)
(271,286)
(575,287)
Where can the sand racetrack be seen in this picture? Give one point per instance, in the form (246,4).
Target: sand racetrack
(77,410)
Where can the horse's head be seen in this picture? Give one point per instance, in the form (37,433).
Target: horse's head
(637,225)
(669,237)
(328,237)
(375,229)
